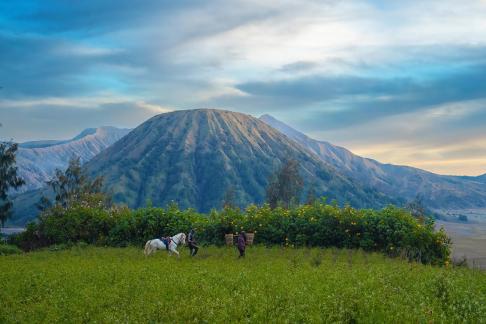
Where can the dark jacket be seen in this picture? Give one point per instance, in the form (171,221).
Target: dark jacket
(191,238)
(241,241)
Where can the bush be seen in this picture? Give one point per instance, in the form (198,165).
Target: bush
(7,249)
(393,231)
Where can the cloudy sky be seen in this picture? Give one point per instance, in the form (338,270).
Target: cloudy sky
(399,81)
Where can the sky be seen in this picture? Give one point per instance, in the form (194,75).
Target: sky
(402,82)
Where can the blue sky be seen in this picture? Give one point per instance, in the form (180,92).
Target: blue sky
(400,81)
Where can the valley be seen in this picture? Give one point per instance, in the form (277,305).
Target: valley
(468,238)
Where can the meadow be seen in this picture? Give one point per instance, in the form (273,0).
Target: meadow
(275,285)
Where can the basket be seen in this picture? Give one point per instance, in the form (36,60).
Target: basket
(249,238)
(228,239)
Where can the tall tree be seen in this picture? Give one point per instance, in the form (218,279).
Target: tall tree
(229,198)
(417,208)
(74,186)
(8,178)
(285,185)
(311,194)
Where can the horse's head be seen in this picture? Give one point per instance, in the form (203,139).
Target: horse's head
(182,239)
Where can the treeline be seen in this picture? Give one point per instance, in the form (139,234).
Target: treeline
(79,211)
(392,230)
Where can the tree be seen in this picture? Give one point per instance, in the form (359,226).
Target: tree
(417,208)
(73,186)
(311,194)
(8,178)
(285,185)
(229,198)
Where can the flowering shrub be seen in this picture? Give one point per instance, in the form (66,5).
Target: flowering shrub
(391,230)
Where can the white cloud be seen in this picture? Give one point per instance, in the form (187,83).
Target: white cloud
(434,139)
(186,55)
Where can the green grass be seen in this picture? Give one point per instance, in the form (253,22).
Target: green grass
(271,285)
(7,249)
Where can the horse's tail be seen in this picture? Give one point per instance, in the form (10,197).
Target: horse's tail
(147,246)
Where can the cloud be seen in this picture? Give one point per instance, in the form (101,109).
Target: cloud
(329,66)
(39,66)
(342,101)
(56,118)
(447,139)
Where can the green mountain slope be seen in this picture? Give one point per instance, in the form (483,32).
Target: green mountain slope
(192,157)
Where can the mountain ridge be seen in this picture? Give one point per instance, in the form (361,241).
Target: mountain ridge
(38,160)
(438,191)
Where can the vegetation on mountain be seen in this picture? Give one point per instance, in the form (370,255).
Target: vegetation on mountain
(285,185)
(193,157)
(9,178)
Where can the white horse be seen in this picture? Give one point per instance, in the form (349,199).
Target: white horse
(157,244)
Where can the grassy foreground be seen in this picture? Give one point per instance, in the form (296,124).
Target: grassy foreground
(271,285)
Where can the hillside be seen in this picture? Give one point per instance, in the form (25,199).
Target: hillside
(399,182)
(192,157)
(38,160)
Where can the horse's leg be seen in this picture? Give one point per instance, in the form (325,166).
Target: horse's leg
(145,250)
(177,253)
(154,248)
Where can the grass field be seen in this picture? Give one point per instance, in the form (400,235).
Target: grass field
(87,284)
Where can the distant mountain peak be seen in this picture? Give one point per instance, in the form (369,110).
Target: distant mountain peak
(281,126)
(401,182)
(37,160)
(84,133)
(81,135)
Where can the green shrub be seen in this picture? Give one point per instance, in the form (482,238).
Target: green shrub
(392,230)
(7,249)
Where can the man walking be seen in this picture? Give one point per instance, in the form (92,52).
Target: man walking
(242,244)
(191,242)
